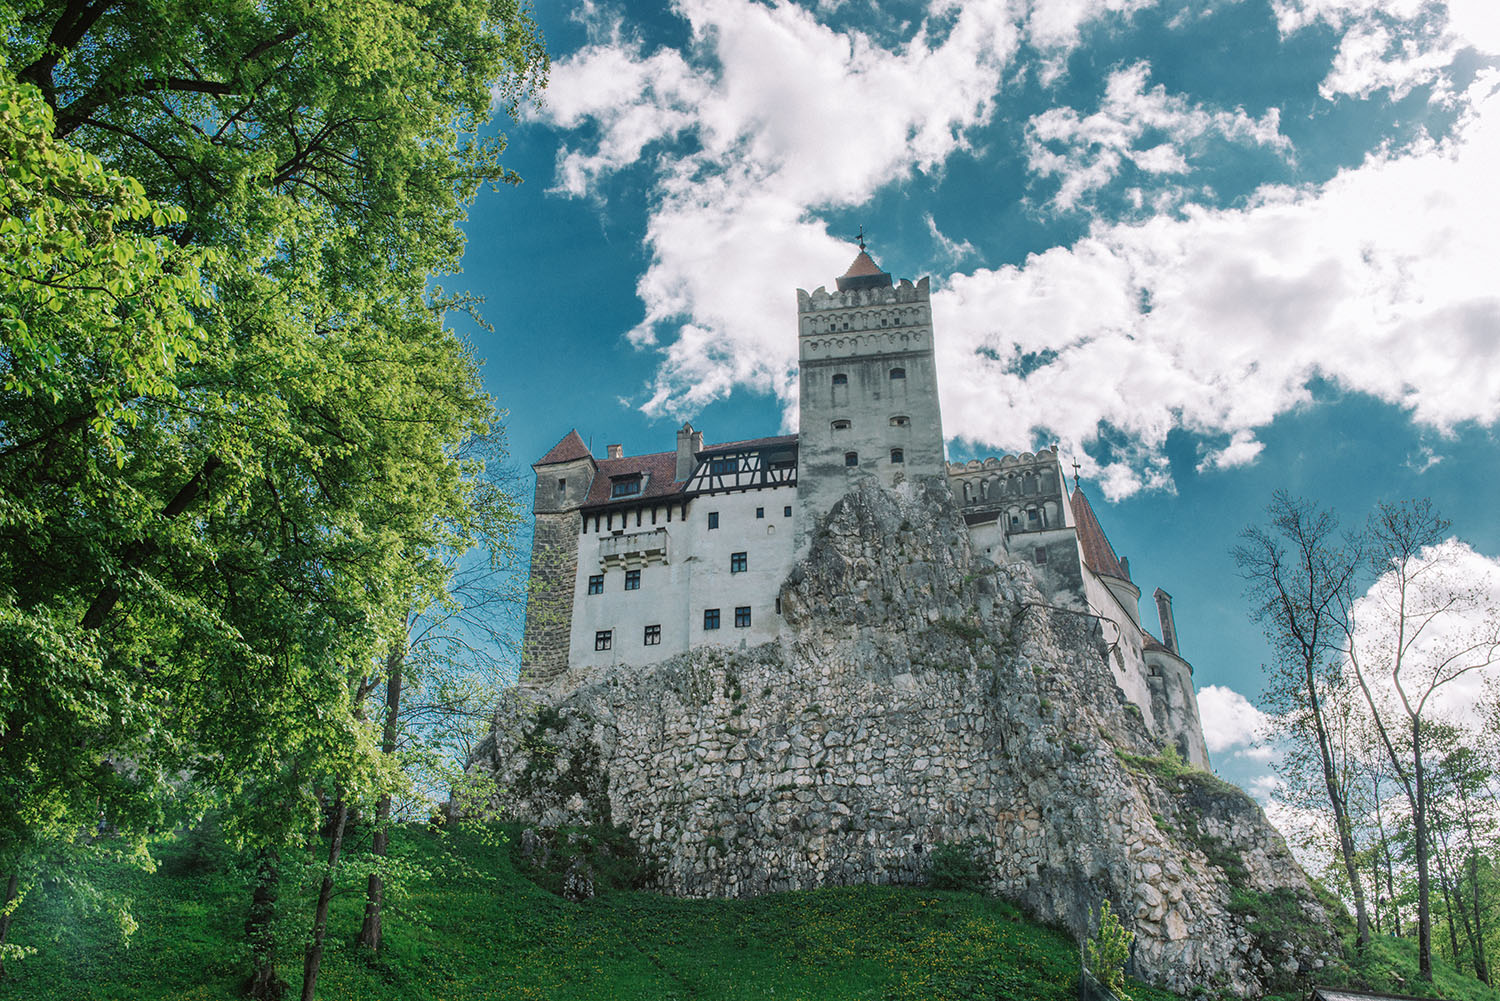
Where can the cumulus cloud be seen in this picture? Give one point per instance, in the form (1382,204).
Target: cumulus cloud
(1217,320)
(1136,125)
(1231,722)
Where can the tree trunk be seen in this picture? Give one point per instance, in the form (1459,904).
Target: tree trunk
(12,886)
(370,933)
(1481,961)
(1444,885)
(325,893)
(264,984)
(1424,885)
(1375,882)
(1337,799)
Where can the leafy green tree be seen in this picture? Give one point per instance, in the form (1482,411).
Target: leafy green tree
(1109,951)
(228,404)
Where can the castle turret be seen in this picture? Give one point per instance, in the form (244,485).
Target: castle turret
(868,387)
(563,478)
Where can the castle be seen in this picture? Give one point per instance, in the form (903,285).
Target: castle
(636,559)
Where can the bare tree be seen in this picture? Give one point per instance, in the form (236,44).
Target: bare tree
(1419,628)
(1299,573)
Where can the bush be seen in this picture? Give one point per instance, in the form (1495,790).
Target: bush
(1108,951)
(960,865)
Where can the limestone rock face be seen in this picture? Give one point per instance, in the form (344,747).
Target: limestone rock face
(918,695)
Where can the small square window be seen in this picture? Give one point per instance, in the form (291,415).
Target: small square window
(760,512)
(897,456)
(898,373)
(786,512)
(1041,555)
(653,636)
(841,380)
(632,580)
(742,616)
(851,458)
(562,486)
(710,618)
(713,519)
(739,562)
(596,583)
(604,639)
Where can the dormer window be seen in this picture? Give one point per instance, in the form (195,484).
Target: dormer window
(625,486)
(898,373)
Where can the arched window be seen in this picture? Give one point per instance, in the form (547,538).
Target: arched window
(842,425)
(841,379)
(898,373)
(900,422)
(897,455)
(851,458)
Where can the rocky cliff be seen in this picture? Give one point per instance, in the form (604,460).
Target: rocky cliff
(920,694)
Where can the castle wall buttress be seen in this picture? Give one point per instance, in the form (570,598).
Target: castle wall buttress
(549,599)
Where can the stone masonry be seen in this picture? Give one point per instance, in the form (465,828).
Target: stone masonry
(920,694)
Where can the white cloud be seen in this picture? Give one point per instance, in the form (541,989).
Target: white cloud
(1087,152)
(1230,721)
(1217,320)
(1396,45)
(1241,450)
(950,250)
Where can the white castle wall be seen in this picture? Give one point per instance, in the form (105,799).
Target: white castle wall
(694,575)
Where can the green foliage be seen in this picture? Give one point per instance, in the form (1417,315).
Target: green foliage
(486,931)
(606,851)
(966,631)
(1109,950)
(960,865)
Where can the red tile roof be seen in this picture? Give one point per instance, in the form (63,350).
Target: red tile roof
(863,265)
(571,447)
(659,468)
(1097,552)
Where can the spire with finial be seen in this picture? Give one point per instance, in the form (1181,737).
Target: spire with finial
(864,272)
(1075,474)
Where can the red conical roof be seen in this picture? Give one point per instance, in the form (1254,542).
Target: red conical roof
(571,447)
(863,273)
(1097,552)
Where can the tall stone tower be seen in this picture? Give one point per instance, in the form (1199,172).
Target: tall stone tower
(868,394)
(563,478)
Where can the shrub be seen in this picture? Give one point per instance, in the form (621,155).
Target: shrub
(1108,950)
(960,865)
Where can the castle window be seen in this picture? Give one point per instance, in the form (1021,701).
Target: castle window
(778,606)
(760,512)
(710,618)
(900,422)
(1015,520)
(596,583)
(625,487)
(718,467)
(898,373)
(632,580)
(604,639)
(851,458)
(841,380)
(786,512)
(1033,516)
(1041,555)
(562,486)
(742,617)
(713,519)
(739,562)
(653,636)
(842,425)
(897,455)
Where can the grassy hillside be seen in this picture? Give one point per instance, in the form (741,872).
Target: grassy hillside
(478,929)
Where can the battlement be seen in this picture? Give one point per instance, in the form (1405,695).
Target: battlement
(903,292)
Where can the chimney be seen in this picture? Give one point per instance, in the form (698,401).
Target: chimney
(1168,624)
(616,451)
(688,443)
(1125,565)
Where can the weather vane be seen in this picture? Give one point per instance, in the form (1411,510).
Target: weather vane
(860,239)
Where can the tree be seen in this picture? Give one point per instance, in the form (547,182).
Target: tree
(1421,626)
(1299,575)
(227,458)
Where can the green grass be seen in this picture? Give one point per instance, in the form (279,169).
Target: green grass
(493,934)
(479,929)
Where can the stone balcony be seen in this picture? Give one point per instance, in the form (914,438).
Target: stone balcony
(634,548)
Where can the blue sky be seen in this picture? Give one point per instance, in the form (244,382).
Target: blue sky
(1211,248)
